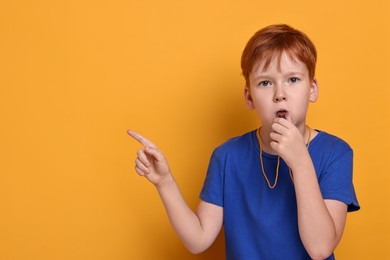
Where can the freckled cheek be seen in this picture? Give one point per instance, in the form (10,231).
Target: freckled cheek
(300,110)
(264,112)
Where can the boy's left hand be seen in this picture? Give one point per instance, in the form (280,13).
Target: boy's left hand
(288,141)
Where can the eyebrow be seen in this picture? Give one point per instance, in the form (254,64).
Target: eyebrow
(288,74)
(295,73)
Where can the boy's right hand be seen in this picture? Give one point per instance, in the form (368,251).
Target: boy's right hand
(150,161)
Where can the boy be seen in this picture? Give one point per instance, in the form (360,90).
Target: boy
(281,191)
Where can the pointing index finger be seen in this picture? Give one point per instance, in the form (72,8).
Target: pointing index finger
(141,139)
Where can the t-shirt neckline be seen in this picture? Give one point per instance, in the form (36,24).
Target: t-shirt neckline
(272,156)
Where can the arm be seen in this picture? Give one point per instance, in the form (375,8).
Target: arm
(197,230)
(320,222)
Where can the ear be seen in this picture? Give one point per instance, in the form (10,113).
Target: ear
(248,98)
(314,91)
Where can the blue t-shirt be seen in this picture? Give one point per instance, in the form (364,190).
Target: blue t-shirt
(262,223)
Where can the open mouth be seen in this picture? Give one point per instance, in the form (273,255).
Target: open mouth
(281,113)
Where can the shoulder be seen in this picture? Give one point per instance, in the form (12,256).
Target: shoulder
(328,142)
(237,144)
(329,151)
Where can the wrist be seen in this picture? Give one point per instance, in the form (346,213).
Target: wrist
(166,182)
(302,162)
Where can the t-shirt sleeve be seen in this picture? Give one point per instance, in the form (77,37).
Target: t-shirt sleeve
(212,190)
(336,181)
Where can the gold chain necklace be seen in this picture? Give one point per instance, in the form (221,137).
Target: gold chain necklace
(277,166)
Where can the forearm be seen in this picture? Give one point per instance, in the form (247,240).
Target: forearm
(196,230)
(185,222)
(316,226)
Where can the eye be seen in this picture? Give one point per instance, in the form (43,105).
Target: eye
(264,83)
(293,80)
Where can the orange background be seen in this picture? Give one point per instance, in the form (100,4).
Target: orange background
(75,75)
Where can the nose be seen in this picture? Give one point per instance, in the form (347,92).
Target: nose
(279,95)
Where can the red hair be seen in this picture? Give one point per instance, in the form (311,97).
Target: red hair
(271,42)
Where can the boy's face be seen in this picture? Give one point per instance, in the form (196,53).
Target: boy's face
(282,90)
